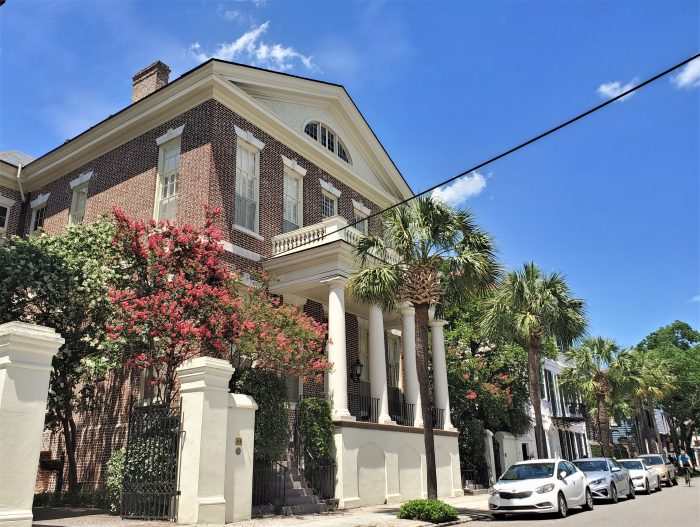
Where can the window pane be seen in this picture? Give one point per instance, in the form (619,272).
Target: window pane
(362,225)
(342,154)
(3,217)
(312,130)
(327,206)
(331,142)
(246,188)
(39,218)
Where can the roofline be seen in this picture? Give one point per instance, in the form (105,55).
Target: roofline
(12,164)
(202,65)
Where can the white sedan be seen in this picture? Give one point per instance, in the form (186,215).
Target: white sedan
(645,476)
(540,486)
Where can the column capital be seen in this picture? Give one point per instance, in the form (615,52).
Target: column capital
(335,282)
(407,310)
(437,323)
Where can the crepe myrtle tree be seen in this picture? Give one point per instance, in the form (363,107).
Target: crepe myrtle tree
(182,300)
(62,281)
(428,255)
(531,307)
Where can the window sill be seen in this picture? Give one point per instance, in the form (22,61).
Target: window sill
(248,232)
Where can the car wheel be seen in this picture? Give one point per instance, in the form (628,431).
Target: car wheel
(498,517)
(669,482)
(647,488)
(613,493)
(563,507)
(658,485)
(588,504)
(631,494)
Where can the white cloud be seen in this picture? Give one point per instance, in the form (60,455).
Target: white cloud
(612,89)
(696,298)
(250,48)
(461,190)
(256,3)
(689,76)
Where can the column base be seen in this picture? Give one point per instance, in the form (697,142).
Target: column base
(343,416)
(16,518)
(385,420)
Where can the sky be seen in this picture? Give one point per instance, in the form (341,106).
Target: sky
(612,201)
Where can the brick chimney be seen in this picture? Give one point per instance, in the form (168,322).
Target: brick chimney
(149,79)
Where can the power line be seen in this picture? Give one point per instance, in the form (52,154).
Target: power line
(514,149)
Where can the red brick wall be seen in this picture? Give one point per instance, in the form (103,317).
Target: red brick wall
(13,219)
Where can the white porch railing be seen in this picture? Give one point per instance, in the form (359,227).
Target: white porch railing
(327,231)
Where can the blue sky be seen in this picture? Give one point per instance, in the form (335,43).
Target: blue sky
(613,201)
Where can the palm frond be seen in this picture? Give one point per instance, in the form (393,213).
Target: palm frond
(376,286)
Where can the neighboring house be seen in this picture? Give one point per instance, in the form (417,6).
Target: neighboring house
(564,424)
(290,161)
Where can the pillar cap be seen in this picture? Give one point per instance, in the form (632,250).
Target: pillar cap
(407,309)
(204,373)
(32,331)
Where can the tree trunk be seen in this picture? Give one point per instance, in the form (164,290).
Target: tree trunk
(69,437)
(642,430)
(423,381)
(533,375)
(655,427)
(674,433)
(603,426)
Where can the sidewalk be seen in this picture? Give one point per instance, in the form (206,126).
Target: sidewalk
(469,507)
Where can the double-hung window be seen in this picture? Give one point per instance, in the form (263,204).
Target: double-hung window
(38,216)
(168,181)
(4,217)
(247,187)
(329,205)
(77,207)
(293,202)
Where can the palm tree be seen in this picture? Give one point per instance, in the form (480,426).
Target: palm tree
(648,379)
(595,373)
(429,254)
(527,307)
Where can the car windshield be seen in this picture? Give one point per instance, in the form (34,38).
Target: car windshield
(529,471)
(632,465)
(592,466)
(655,460)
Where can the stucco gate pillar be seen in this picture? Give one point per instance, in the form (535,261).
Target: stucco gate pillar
(205,409)
(26,351)
(408,340)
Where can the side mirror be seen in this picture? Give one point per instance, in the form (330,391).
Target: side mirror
(615,469)
(562,474)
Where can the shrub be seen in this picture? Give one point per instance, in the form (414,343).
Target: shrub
(434,511)
(316,428)
(271,419)
(115,475)
(94,499)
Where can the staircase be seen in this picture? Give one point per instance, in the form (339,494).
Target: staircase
(299,497)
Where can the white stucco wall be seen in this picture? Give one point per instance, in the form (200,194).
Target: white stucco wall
(386,464)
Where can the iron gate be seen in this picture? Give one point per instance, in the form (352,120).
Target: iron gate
(149,488)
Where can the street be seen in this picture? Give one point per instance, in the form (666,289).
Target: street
(678,506)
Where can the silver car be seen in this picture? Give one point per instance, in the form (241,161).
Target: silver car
(644,475)
(607,479)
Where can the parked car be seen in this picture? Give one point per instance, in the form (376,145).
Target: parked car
(540,486)
(666,469)
(645,476)
(607,479)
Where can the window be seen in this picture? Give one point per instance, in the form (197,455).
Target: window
(77,207)
(38,216)
(4,215)
(324,135)
(293,209)
(247,170)
(364,352)
(328,205)
(394,364)
(168,181)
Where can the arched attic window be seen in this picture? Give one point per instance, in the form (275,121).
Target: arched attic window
(328,138)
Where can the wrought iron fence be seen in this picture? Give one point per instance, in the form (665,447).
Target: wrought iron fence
(402,412)
(269,485)
(438,418)
(469,474)
(149,484)
(367,408)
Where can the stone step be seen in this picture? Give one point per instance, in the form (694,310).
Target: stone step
(296,492)
(301,500)
(310,508)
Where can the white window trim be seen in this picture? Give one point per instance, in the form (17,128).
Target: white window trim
(240,251)
(170,135)
(328,187)
(7,202)
(293,165)
(359,206)
(159,173)
(80,180)
(39,201)
(338,141)
(256,152)
(300,177)
(249,138)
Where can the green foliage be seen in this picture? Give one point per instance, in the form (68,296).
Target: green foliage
(115,476)
(96,499)
(316,428)
(271,419)
(434,511)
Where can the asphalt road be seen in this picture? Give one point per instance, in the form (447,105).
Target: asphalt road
(678,506)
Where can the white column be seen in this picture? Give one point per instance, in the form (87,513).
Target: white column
(377,363)
(26,351)
(239,457)
(442,393)
(408,340)
(338,378)
(205,406)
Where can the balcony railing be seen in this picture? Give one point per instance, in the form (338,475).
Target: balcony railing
(438,418)
(569,411)
(327,231)
(402,412)
(364,408)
